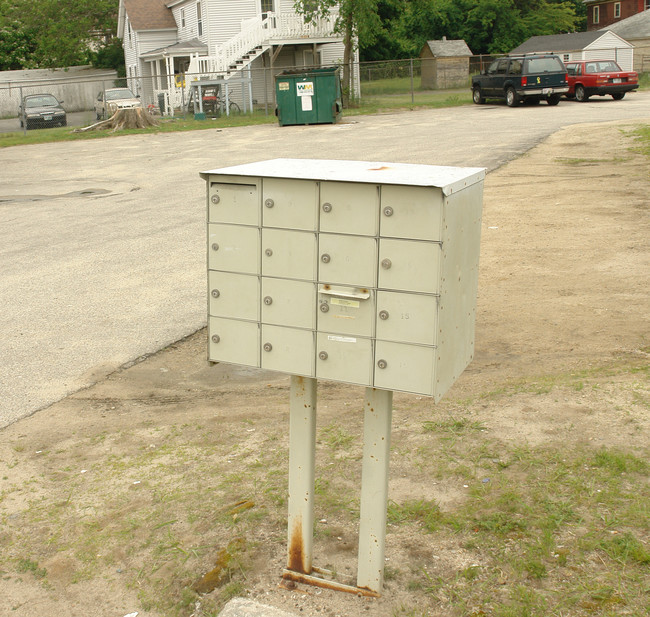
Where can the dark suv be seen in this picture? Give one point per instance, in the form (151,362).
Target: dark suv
(522,78)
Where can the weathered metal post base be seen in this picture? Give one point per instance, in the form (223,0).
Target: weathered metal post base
(325,583)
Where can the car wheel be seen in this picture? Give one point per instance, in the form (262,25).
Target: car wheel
(618,96)
(64,122)
(554,99)
(512,99)
(477,97)
(581,95)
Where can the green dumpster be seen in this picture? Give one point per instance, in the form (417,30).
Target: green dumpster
(308,96)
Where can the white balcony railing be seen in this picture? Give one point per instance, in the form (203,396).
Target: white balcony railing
(260,32)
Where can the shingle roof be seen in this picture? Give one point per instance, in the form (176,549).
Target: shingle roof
(149,15)
(558,42)
(635,27)
(449,48)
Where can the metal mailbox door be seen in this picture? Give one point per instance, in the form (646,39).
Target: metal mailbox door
(288,350)
(346,310)
(234,248)
(409,368)
(234,202)
(349,208)
(234,341)
(409,266)
(347,260)
(290,204)
(289,254)
(289,303)
(344,358)
(407,317)
(234,295)
(411,212)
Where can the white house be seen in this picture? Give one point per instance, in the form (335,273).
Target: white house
(592,45)
(168,44)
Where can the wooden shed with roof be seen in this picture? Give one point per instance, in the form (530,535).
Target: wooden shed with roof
(445,64)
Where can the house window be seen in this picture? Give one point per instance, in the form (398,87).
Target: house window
(182,18)
(566,57)
(596,15)
(617,10)
(199,18)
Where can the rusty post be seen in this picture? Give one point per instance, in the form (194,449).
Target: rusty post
(302,453)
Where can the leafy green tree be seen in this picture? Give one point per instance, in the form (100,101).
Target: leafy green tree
(357,20)
(59,32)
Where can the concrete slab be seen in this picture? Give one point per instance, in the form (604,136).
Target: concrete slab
(243,607)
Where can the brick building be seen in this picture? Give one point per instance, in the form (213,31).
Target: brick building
(603,13)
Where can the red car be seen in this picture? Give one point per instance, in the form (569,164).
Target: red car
(600,77)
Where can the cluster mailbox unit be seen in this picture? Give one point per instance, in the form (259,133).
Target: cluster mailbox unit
(352,271)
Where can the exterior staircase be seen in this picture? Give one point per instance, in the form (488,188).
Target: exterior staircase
(256,36)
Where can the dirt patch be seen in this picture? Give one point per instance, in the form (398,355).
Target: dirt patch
(121,497)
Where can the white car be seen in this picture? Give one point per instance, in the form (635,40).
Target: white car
(109,101)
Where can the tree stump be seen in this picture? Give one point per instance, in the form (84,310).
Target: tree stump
(134,118)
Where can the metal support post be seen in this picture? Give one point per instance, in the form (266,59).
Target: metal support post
(378,411)
(302,455)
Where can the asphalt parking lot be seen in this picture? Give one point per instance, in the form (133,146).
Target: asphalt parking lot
(102,241)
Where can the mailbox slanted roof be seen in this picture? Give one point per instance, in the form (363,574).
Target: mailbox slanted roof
(448,179)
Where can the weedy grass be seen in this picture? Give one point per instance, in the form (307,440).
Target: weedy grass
(187,516)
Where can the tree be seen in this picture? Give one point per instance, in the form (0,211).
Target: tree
(357,20)
(66,40)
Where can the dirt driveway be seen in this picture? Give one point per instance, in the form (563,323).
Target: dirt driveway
(119,498)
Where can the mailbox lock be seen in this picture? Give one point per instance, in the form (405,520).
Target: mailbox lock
(386,264)
(216,338)
(215,247)
(268,252)
(269,203)
(382,364)
(215,293)
(323,355)
(388,211)
(324,307)
(327,207)
(216,199)
(325,258)
(268,346)
(383,315)
(268,300)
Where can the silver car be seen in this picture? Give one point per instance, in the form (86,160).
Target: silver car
(109,101)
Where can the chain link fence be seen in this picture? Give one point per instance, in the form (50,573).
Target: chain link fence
(412,81)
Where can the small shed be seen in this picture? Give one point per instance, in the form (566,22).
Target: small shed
(635,30)
(445,64)
(592,45)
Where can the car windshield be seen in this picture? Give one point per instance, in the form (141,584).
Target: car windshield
(122,93)
(600,67)
(44,100)
(544,65)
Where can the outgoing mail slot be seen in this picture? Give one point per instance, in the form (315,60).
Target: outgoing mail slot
(234,295)
(346,310)
(234,248)
(349,208)
(404,367)
(291,204)
(232,202)
(409,266)
(344,358)
(407,317)
(234,341)
(288,350)
(289,303)
(289,254)
(411,212)
(347,260)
